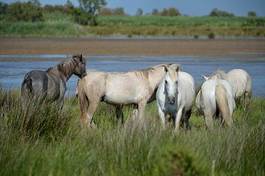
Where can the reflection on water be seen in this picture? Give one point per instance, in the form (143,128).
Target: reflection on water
(12,73)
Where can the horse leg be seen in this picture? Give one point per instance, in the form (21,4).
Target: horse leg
(209,120)
(186,120)
(89,114)
(141,107)
(177,118)
(119,113)
(87,109)
(247,99)
(162,117)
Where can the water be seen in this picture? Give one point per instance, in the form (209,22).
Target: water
(12,73)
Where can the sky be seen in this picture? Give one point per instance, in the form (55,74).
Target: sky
(186,7)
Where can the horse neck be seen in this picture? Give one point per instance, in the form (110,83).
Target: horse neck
(155,77)
(67,70)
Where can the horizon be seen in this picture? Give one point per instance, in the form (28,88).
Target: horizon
(186,7)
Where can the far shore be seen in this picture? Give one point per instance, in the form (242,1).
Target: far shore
(219,48)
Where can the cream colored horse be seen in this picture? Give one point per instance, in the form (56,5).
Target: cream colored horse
(240,81)
(216,97)
(175,96)
(135,87)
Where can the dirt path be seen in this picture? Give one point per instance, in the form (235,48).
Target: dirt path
(150,47)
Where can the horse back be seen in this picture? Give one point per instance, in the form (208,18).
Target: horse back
(38,81)
(186,89)
(240,81)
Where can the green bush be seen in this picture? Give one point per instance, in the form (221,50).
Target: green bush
(81,17)
(28,11)
(3,8)
(220,13)
(211,35)
(252,14)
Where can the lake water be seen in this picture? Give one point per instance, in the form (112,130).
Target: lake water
(12,73)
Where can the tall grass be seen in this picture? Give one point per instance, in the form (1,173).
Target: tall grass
(51,142)
(62,25)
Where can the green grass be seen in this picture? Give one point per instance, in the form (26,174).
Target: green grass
(62,25)
(48,141)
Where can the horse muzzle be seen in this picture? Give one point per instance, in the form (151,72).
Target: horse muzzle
(172,101)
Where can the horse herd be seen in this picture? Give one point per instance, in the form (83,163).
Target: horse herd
(173,89)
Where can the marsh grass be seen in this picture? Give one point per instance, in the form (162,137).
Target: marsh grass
(51,142)
(63,25)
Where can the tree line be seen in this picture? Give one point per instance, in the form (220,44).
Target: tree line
(86,13)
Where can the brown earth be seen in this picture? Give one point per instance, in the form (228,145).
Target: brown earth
(134,47)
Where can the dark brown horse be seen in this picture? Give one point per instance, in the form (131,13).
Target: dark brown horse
(51,84)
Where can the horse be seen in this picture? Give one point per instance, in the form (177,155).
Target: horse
(51,84)
(216,98)
(175,96)
(241,83)
(121,88)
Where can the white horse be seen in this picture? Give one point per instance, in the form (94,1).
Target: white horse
(175,95)
(215,98)
(240,81)
(135,87)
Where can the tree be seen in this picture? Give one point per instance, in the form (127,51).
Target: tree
(155,12)
(139,12)
(25,11)
(173,12)
(3,8)
(105,12)
(220,13)
(91,8)
(35,3)
(252,14)
(119,11)
(68,7)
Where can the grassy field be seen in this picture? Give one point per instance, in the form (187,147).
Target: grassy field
(45,141)
(62,25)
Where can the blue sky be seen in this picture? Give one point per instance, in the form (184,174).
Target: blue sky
(189,7)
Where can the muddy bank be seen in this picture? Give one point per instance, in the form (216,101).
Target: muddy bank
(134,47)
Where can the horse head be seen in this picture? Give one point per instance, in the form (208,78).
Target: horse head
(171,82)
(80,65)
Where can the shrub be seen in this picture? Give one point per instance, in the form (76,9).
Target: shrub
(252,14)
(170,12)
(139,12)
(220,13)
(3,8)
(119,11)
(28,11)
(105,12)
(211,35)
(81,17)
(155,12)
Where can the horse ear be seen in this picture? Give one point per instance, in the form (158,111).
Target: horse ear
(177,68)
(165,68)
(82,59)
(205,77)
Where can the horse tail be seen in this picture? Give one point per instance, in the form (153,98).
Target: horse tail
(26,91)
(222,104)
(82,99)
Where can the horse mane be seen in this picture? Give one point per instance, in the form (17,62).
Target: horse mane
(219,73)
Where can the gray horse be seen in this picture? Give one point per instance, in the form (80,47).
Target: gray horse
(51,84)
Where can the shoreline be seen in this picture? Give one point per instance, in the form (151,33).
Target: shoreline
(219,48)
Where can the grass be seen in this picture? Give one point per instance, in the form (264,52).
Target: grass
(48,141)
(62,25)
